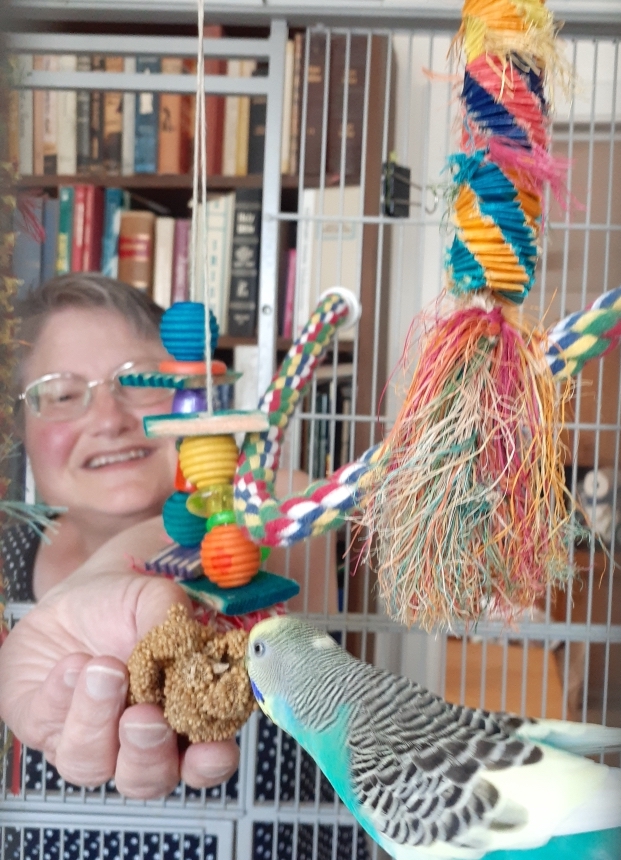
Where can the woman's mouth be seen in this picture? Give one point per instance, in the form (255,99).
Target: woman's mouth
(115,457)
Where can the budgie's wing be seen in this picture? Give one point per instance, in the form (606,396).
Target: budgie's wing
(582,738)
(440,777)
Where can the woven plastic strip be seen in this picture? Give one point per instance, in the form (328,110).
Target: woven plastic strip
(325,504)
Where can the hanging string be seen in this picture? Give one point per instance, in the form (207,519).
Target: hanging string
(198,235)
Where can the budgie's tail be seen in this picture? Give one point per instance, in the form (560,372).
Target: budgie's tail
(579,738)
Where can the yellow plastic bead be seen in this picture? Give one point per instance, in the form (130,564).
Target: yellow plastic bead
(208,460)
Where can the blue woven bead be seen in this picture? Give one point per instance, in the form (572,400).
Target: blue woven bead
(182,526)
(182,330)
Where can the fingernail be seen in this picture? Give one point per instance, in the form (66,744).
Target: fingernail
(146,735)
(71,677)
(103,682)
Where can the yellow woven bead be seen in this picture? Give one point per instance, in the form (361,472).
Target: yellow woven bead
(207,460)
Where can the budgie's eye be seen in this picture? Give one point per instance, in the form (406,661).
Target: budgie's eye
(258,649)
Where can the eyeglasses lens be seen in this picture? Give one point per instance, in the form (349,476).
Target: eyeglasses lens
(59,398)
(138,396)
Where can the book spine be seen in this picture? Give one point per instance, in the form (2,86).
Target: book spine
(98,63)
(172,148)
(256,127)
(147,120)
(220,214)
(180,291)
(38,105)
(163,260)
(67,119)
(214,109)
(243,123)
(285,137)
(296,103)
(136,249)
(93,228)
(243,294)
(51,208)
(355,106)
(24,66)
(77,236)
(113,205)
(129,123)
(112,147)
(305,247)
(314,107)
(65,229)
(50,125)
(231,121)
(26,260)
(83,119)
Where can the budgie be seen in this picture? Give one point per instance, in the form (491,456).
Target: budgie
(427,779)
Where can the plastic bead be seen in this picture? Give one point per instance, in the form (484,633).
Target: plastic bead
(181,525)
(228,557)
(169,365)
(208,460)
(182,485)
(182,330)
(187,400)
(204,503)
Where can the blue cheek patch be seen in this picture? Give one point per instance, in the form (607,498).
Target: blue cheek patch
(257,692)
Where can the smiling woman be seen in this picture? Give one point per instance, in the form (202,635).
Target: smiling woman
(82,431)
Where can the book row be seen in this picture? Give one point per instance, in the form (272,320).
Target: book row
(88,228)
(64,132)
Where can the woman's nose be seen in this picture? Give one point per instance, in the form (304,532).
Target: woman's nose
(111,414)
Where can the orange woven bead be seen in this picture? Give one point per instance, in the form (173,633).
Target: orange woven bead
(228,557)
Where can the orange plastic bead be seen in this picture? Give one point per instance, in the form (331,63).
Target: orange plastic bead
(170,365)
(228,557)
(182,485)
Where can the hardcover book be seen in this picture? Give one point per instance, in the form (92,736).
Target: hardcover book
(77,233)
(147,120)
(25,117)
(98,63)
(256,126)
(214,108)
(172,143)
(113,206)
(220,218)
(93,228)
(66,103)
(355,75)
(112,147)
(313,132)
(244,289)
(129,123)
(136,248)
(163,260)
(51,208)
(180,291)
(83,119)
(38,107)
(231,123)
(50,121)
(65,229)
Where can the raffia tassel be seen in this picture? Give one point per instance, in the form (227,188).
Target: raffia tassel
(467,500)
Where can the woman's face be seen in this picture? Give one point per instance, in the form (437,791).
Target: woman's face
(100,462)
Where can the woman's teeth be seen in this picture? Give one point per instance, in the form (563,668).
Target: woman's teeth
(117,457)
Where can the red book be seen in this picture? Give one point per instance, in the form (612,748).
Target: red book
(180,291)
(214,109)
(93,228)
(77,237)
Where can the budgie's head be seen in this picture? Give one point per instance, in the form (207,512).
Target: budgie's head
(284,654)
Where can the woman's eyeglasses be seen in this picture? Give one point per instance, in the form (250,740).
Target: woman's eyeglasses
(67,396)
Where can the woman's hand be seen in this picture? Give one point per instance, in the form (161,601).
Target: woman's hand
(63,679)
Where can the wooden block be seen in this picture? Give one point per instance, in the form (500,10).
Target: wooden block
(265,589)
(203,424)
(157,379)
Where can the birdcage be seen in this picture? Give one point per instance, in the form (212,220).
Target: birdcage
(363,199)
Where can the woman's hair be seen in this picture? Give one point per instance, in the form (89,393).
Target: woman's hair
(89,290)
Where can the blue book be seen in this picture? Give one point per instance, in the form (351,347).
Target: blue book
(147,120)
(51,208)
(28,226)
(113,204)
